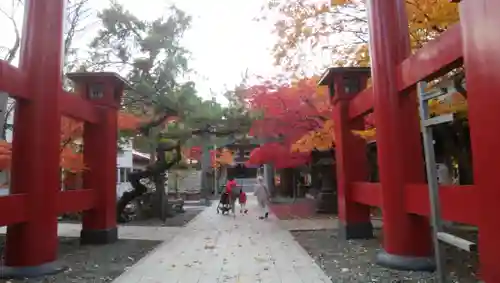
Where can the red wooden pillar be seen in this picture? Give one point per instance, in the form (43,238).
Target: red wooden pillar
(481,40)
(350,152)
(32,246)
(104,90)
(407,238)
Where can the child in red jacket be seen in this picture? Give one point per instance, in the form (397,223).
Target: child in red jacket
(242,199)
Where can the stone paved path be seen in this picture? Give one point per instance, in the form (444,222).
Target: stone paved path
(215,248)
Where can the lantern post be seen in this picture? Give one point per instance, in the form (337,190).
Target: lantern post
(104,91)
(350,151)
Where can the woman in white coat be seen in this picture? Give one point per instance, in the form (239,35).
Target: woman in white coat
(263,196)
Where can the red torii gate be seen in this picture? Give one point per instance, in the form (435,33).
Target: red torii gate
(31,210)
(403,193)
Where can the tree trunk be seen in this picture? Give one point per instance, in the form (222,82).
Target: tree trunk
(373,163)
(138,190)
(464,154)
(269,178)
(152,171)
(176,185)
(315,181)
(161,205)
(205,169)
(287,184)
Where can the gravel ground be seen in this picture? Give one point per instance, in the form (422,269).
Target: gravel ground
(96,264)
(99,264)
(178,220)
(352,261)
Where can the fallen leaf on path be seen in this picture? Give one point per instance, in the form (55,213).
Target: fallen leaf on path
(259,259)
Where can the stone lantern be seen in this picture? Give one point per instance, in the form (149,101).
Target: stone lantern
(343,83)
(323,166)
(105,88)
(104,92)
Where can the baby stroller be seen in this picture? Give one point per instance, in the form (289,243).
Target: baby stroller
(225,203)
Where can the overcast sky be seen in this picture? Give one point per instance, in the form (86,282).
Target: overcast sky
(224,40)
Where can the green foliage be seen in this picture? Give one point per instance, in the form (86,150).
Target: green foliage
(152,58)
(150,54)
(223,122)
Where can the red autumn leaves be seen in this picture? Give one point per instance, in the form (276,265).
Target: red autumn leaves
(286,114)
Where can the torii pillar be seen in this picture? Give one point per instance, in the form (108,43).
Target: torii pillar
(104,90)
(479,21)
(407,237)
(31,248)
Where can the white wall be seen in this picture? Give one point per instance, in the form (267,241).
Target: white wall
(124,165)
(125,158)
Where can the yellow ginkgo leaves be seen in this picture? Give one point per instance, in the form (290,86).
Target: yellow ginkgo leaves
(367,135)
(451,103)
(340,2)
(307,30)
(224,158)
(426,18)
(322,139)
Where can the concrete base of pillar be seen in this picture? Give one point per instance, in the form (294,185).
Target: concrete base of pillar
(9,272)
(326,202)
(405,262)
(356,231)
(99,237)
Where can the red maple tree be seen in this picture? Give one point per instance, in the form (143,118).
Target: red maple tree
(286,113)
